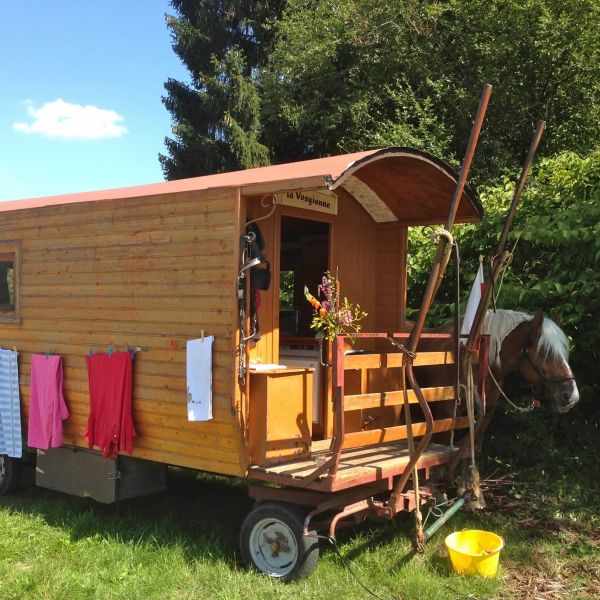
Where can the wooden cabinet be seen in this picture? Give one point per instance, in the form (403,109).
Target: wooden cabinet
(280,415)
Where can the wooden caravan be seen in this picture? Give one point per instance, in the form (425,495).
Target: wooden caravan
(150,267)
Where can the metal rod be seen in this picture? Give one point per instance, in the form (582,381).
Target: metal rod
(436,525)
(470,152)
(499,259)
(437,271)
(500,249)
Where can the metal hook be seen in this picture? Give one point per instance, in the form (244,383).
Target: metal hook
(269,214)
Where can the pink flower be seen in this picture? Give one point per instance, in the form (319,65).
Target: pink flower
(346,317)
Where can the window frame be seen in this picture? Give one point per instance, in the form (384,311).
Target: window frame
(12,314)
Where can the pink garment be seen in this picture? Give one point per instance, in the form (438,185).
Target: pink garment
(47,408)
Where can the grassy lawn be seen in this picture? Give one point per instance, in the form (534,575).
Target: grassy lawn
(183,544)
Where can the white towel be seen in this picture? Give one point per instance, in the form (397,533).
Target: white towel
(473,302)
(10,407)
(199,379)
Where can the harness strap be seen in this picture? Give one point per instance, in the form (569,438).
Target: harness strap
(525,354)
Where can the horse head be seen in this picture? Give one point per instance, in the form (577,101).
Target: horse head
(538,349)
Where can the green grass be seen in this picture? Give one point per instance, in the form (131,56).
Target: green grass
(183,544)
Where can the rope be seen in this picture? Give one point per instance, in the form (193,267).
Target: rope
(441,232)
(520,409)
(457,328)
(508,262)
(435,237)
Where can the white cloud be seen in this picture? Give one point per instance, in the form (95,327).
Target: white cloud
(60,119)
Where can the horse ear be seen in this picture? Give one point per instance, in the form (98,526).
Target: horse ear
(535,330)
(557,319)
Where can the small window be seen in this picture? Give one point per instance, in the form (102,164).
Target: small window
(9,282)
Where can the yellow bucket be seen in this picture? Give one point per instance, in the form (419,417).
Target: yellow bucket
(474,551)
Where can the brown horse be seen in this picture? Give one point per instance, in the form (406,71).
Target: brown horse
(538,350)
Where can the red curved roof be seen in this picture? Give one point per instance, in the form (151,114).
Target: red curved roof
(392,184)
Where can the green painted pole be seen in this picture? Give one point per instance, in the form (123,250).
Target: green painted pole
(447,515)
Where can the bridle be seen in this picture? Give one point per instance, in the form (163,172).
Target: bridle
(545,379)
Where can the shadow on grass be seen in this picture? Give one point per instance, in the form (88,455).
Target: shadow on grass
(201,514)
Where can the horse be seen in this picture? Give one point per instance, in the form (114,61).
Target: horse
(537,349)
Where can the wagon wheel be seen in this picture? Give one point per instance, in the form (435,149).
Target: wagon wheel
(271,541)
(10,474)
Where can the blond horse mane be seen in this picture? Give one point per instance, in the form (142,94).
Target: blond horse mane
(553,342)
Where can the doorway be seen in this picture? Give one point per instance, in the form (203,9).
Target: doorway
(304,259)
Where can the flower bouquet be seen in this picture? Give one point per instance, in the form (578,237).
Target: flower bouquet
(332,317)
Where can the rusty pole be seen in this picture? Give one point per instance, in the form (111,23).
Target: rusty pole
(499,258)
(499,261)
(437,272)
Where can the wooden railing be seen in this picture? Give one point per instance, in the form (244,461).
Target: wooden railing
(437,355)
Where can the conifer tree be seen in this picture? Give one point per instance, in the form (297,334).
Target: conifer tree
(216,124)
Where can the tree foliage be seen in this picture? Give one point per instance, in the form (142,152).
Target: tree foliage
(347,74)
(216,122)
(556,255)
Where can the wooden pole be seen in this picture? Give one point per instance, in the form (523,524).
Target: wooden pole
(437,272)
(439,265)
(500,256)
(498,263)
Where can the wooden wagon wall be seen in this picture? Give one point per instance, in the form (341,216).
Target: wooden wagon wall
(148,272)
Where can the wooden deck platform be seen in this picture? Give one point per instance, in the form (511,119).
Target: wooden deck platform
(357,466)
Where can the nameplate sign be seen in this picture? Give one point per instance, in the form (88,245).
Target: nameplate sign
(320,201)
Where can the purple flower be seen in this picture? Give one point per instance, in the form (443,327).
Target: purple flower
(326,305)
(346,317)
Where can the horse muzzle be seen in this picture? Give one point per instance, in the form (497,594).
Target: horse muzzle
(566,398)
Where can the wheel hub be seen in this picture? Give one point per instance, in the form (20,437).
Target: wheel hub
(274,547)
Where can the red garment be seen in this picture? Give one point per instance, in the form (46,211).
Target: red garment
(110,424)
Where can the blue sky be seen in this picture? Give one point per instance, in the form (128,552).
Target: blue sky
(80,101)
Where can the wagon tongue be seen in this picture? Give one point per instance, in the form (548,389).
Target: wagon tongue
(444,240)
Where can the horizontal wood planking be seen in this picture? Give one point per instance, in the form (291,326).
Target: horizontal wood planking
(379,436)
(121,329)
(203,301)
(84,213)
(166,248)
(148,409)
(148,272)
(221,315)
(377,361)
(197,268)
(394,398)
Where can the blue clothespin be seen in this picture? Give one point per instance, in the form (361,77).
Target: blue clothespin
(90,353)
(47,354)
(110,351)
(132,353)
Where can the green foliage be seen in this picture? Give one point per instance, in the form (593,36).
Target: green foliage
(286,290)
(346,74)
(556,264)
(284,80)
(216,115)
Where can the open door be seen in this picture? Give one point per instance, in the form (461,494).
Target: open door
(304,258)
